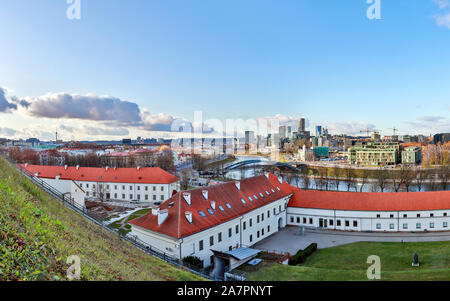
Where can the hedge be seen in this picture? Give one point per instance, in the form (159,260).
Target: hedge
(301,255)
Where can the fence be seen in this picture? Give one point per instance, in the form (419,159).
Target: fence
(69,202)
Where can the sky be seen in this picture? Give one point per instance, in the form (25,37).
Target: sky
(132,68)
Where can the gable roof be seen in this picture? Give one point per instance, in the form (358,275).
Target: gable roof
(371,201)
(145,175)
(176,225)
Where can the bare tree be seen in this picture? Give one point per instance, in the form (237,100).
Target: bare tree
(407,175)
(381,179)
(337,173)
(350,178)
(444,176)
(364,176)
(421,177)
(396,179)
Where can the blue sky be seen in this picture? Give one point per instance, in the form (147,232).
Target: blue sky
(324,60)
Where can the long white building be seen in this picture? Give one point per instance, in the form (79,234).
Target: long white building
(149,184)
(225,217)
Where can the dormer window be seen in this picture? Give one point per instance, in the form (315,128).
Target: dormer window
(228,205)
(262,195)
(255,197)
(202,214)
(250,199)
(221,208)
(267,192)
(278,188)
(243,201)
(273,190)
(210,211)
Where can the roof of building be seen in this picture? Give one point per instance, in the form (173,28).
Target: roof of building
(371,201)
(145,175)
(176,225)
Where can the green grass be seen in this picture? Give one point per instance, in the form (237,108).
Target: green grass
(38,234)
(348,262)
(117,225)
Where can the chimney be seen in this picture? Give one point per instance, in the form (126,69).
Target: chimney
(162,216)
(280,179)
(155,210)
(106,168)
(213,205)
(78,167)
(188,216)
(187,197)
(26,164)
(138,168)
(57,177)
(65,167)
(205,194)
(36,174)
(238,185)
(267,175)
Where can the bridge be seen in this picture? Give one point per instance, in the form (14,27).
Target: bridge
(259,162)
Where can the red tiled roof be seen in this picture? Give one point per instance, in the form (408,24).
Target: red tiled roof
(145,175)
(176,224)
(356,201)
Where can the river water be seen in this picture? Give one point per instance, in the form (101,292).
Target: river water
(368,187)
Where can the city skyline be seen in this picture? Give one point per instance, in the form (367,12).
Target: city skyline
(119,72)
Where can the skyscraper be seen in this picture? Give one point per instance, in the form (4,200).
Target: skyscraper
(301,125)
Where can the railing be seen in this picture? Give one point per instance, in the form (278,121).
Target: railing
(69,202)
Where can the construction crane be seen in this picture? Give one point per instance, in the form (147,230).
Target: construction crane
(368,131)
(394,129)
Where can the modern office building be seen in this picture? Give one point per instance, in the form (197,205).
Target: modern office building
(411,155)
(374,154)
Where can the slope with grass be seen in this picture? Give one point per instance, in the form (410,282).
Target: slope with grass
(38,234)
(349,262)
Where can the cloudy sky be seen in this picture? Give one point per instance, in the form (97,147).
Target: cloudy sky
(136,68)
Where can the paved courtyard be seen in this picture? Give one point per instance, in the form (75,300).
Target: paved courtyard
(289,240)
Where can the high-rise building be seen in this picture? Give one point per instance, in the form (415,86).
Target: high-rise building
(318,130)
(301,125)
(282,132)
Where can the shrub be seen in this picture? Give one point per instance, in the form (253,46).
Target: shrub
(301,255)
(193,261)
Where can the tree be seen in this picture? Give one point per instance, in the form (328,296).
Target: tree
(306,180)
(407,175)
(381,179)
(350,178)
(421,177)
(364,176)
(395,176)
(444,175)
(337,172)
(165,161)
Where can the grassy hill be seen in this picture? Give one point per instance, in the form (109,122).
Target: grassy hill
(348,262)
(38,234)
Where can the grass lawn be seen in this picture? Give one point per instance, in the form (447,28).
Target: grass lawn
(127,228)
(38,234)
(348,262)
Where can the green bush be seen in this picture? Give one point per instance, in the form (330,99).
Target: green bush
(193,261)
(301,255)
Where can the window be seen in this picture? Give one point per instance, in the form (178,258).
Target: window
(274,211)
(249,198)
(267,192)
(219,238)
(431,225)
(251,222)
(338,223)
(244,225)
(257,234)
(251,238)
(445,213)
(378,226)
(445,224)
(268,229)
(162,198)
(418,215)
(228,205)
(262,232)
(292,219)
(262,217)
(87,193)
(262,195)
(131,196)
(154,197)
(272,190)
(298,220)
(131,187)
(392,216)
(154,188)
(210,211)
(310,221)
(418,226)
(355,223)
(304,220)
(221,208)
(123,196)
(139,188)
(200,245)
(257,219)
(278,188)
(115,195)
(139,196)
(162,188)
(146,188)
(237,229)
(146,197)
(347,223)
(431,214)
(123,187)
(255,197)
(115,187)
(202,214)
(405,215)
(230,232)
(378,215)
(405,226)
(268,213)
(243,201)
(391,226)
(211,241)
(331,222)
